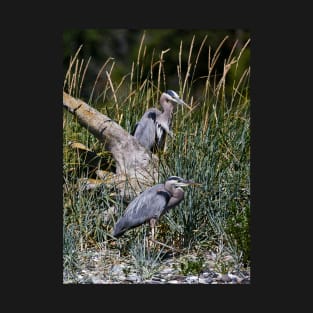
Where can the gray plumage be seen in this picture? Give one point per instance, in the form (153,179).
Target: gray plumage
(152,204)
(152,128)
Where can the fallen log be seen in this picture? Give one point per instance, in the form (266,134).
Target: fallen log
(136,168)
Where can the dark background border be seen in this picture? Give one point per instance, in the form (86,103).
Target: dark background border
(32,141)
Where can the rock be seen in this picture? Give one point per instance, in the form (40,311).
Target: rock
(245,281)
(223,278)
(134,278)
(234,278)
(117,269)
(192,279)
(178,277)
(150,281)
(166,271)
(207,280)
(97,280)
(205,275)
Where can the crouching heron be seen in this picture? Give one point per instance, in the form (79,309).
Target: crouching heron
(151,204)
(152,128)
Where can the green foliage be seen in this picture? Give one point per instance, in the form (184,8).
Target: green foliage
(70,249)
(146,260)
(192,266)
(211,145)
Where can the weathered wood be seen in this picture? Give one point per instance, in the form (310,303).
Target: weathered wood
(134,164)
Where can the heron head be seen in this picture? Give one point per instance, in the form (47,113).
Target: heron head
(171,95)
(180,182)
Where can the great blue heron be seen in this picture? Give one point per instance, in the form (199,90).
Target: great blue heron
(151,204)
(152,128)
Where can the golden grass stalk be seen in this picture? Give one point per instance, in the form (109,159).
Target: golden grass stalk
(188,64)
(98,76)
(161,67)
(112,88)
(140,47)
(72,60)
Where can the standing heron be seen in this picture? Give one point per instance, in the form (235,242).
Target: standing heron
(152,128)
(151,204)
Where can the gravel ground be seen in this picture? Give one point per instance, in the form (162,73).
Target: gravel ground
(108,267)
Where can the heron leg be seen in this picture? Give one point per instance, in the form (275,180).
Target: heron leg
(147,243)
(152,225)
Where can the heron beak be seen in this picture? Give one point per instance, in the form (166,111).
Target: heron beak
(191,182)
(195,184)
(188,183)
(181,102)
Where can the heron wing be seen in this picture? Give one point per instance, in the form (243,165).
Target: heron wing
(134,130)
(149,204)
(163,127)
(144,130)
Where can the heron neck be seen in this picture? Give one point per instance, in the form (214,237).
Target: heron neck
(168,108)
(177,197)
(168,112)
